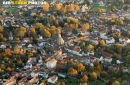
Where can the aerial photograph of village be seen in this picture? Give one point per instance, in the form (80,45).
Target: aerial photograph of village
(64,42)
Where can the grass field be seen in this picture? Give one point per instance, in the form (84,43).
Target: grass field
(12,10)
(101,7)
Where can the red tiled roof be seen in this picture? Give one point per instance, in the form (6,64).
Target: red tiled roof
(106,54)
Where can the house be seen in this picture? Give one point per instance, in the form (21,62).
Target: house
(110,40)
(123,39)
(11,81)
(43,74)
(29,46)
(28,66)
(53,79)
(22,81)
(107,57)
(33,80)
(61,75)
(103,35)
(84,8)
(51,63)
(3,46)
(26,40)
(35,73)
(101,3)
(59,52)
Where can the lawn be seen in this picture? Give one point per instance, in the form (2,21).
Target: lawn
(12,10)
(101,7)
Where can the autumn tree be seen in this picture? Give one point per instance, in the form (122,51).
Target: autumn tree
(45,33)
(57,7)
(16,50)
(4,39)
(56,23)
(73,72)
(40,15)
(38,26)
(70,8)
(63,83)
(80,67)
(53,30)
(8,69)
(103,73)
(32,32)
(93,76)
(90,47)
(85,27)
(20,34)
(83,84)
(102,43)
(116,83)
(84,79)
(76,7)
(120,22)
(22,29)
(1,37)
(1,28)
(45,6)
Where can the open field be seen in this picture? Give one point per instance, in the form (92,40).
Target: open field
(12,10)
(100,7)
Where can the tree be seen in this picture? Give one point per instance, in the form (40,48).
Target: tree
(93,76)
(32,32)
(1,28)
(84,79)
(90,47)
(8,69)
(83,84)
(125,82)
(16,50)
(39,26)
(20,34)
(57,7)
(80,67)
(1,37)
(103,73)
(127,60)
(70,8)
(102,43)
(41,15)
(4,39)
(56,23)
(85,27)
(53,30)
(73,72)
(120,22)
(76,7)
(63,83)
(22,29)
(116,83)
(46,33)
(45,6)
